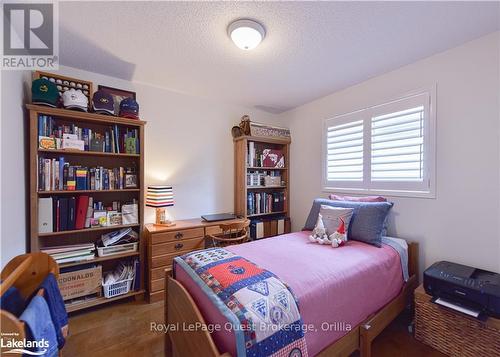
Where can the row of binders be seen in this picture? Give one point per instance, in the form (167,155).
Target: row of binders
(265,202)
(263,228)
(58,175)
(115,139)
(57,214)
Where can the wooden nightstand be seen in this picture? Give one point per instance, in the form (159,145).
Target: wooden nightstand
(453,333)
(166,243)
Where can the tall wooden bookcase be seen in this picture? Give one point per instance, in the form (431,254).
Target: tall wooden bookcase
(242,167)
(87,158)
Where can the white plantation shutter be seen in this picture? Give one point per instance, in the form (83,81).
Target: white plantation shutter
(344,146)
(398,146)
(388,148)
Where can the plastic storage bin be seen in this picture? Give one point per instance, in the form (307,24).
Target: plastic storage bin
(117,288)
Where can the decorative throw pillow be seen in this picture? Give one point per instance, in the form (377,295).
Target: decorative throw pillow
(358,199)
(367,222)
(333,216)
(362,199)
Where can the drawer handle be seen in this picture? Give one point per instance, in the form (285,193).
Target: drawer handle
(179,246)
(179,235)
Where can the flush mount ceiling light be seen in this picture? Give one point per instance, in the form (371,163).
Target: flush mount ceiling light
(246,34)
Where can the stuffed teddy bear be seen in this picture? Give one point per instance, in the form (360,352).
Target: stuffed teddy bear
(319,233)
(338,238)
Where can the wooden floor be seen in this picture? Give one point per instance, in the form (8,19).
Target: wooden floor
(124,329)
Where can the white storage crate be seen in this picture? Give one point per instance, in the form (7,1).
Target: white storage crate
(117,288)
(117,249)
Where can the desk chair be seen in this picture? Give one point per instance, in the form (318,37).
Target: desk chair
(231,233)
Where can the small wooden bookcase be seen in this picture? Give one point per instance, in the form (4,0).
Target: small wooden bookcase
(242,167)
(87,158)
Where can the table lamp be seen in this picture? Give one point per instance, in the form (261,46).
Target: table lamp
(160,197)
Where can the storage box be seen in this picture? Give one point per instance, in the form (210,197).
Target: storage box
(117,288)
(453,333)
(272,181)
(80,282)
(72,144)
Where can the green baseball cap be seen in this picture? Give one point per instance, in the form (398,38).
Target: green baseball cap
(44,92)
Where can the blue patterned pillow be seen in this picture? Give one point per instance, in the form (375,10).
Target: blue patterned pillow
(367,222)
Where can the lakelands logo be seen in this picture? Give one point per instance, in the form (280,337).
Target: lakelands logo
(10,344)
(30,35)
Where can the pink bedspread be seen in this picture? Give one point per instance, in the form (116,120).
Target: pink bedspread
(335,287)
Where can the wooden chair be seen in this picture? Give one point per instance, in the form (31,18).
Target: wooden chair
(25,272)
(231,233)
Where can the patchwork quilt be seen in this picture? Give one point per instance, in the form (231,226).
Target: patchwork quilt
(262,309)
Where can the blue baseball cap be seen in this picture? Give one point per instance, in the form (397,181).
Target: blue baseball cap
(129,108)
(103,102)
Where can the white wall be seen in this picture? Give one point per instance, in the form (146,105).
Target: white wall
(462,223)
(188,145)
(14,181)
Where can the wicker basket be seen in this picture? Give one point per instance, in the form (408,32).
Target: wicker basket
(453,333)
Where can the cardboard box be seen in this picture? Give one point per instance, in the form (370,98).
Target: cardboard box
(73,144)
(80,282)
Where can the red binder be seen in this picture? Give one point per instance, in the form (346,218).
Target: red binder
(81,211)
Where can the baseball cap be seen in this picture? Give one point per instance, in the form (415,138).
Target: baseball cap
(129,108)
(103,102)
(44,92)
(75,99)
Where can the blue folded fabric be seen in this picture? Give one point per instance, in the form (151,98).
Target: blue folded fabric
(367,223)
(56,306)
(13,302)
(40,327)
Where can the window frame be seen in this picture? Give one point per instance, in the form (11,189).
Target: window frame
(424,189)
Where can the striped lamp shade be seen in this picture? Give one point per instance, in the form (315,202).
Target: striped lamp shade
(160,196)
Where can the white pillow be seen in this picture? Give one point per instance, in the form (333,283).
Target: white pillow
(331,218)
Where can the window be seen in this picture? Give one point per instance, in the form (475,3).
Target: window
(385,149)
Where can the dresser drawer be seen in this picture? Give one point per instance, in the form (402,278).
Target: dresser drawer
(177,246)
(157,238)
(158,273)
(157,296)
(157,285)
(165,260)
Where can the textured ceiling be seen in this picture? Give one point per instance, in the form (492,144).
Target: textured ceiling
(311,48)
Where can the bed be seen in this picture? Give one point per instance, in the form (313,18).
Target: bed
(348,294)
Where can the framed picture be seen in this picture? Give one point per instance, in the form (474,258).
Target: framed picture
(118,95)
(130,180)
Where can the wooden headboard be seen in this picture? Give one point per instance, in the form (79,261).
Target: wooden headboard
(413,259)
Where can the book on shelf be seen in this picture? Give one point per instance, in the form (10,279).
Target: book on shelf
(71,213)
(113,139)
(82,206)
(58,214)
(265,202)
(71,253)
(45,215)
(60,175)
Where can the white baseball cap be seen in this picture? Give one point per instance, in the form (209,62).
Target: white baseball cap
(75,99)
